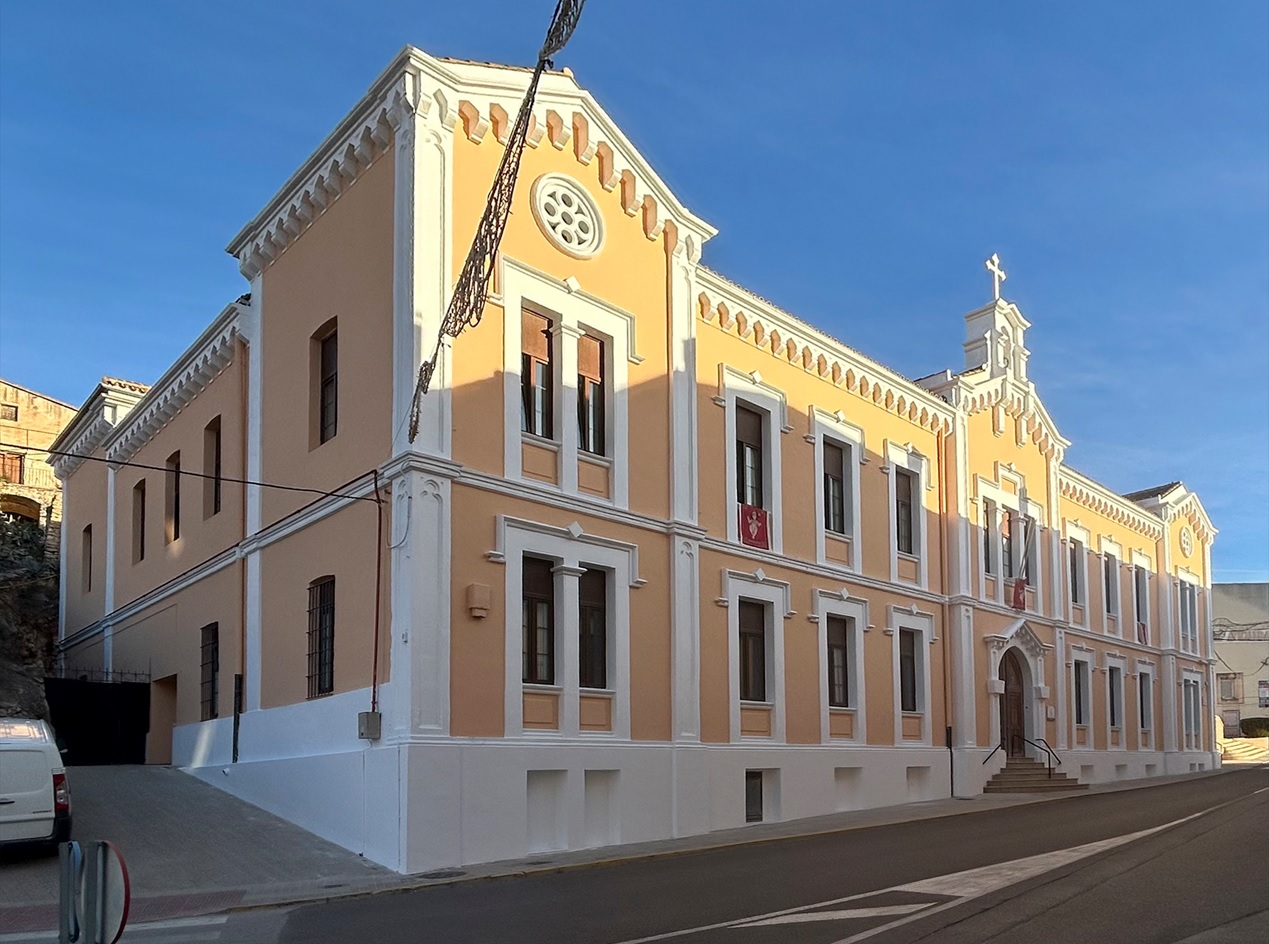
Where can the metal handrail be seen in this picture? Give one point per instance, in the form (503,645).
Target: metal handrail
(1042,745)
(1048,751)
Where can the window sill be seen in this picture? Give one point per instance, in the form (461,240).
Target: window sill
(534,439)
(542,687)
(756,704)
(597,692)
(593,458)
(842,709)
(905,556)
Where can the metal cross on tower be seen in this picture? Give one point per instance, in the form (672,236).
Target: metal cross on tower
(468,302)
(997,274)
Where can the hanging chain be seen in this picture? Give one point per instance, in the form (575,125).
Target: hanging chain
(468,302)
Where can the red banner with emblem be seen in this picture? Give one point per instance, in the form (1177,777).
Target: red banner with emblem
(1020,593)
(755,526)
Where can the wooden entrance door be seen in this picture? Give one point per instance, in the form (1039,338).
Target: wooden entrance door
(1012,722)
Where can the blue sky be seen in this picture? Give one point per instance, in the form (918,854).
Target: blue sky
(859,159)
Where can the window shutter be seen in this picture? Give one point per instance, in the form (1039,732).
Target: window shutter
(749,427)
(590,358)
(534,339)
(834,461)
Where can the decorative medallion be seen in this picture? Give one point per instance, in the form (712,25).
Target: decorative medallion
(567,215)
(1187,542)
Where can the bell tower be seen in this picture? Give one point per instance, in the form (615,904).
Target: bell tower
(995,335)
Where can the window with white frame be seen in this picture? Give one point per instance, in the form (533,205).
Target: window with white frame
(1141,602)
(751,435)
(989,537)
(1008,524)
(592,395)
(837,491)
(1075,570)
(1082,691)
(1189,616)
(909,670)
(537,375)
(1110,582)
(753,651)
(593,632)
(1115,695)
(1192,711)
(1229,686)
(906,499)
(1145,700)
(841,658)
(537,585)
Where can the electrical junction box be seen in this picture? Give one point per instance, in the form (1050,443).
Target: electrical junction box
(369,725)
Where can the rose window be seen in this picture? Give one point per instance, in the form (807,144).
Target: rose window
(566,215)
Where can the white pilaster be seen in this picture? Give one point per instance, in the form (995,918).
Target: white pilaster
(564,338)
(108,577)
(1170,683)
(685,609)
(567,636)
(683,426)
(252,329)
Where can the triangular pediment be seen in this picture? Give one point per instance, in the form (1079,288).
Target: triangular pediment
(1020,634)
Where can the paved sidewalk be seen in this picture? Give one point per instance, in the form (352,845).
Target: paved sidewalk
(192,849)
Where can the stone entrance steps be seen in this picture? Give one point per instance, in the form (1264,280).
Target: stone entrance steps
(1025,775)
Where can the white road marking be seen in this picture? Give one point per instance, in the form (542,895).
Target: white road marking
(152,931)
(972,883)
(881,911)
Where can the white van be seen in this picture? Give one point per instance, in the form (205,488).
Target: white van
(34,794)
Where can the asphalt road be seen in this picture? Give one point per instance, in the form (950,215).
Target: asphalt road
(1104,867)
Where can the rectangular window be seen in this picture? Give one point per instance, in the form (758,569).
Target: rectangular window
(138,522)
(211,468)
(86,559)
(1189,617)
(328,388)
(172,499)
(1110,569)
(1140,597)
(1082,707)
(1145,700)
(904,490)
(537,591)
(321,637)
(839,633)
(9,412)
(1026,544)
(753,651)
(908,670)
(210,673)
(536,375)
(835,487)
(1116,681)
(1192,711)
(1077,571)
(1007,523)
(11,468)
(749,490)
(989,533)
(593,641)
(590,395)
(753,796)
(1230,687)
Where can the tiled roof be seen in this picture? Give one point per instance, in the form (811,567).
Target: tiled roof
(130,385)
(1154,492)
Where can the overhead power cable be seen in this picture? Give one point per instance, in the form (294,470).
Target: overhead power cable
(468,302)
(321,492)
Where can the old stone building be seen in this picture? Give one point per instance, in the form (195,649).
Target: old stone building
(30,421)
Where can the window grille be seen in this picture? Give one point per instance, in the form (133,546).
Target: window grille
(321,637)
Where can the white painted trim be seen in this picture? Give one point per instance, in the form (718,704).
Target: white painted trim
(833,425)
(733,385)
(569,548)
(574,312)
(1113,661)
(826,603)
(922,624)
(777,594)
(904,456)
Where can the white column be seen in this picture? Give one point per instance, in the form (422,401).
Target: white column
(252,329)
(420,573)
(965,691)
(683,432)
(568,614)
(1168,679)
(108,577)
(564,338)
(685,608)
(1061,682)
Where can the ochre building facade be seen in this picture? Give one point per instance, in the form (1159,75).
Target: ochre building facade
(663,559)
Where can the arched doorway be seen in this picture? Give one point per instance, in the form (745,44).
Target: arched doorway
(1013,721)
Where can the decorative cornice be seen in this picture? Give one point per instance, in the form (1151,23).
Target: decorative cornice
(184,380)
(108,404)
(732,309)
(1103,501)
(478,98)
